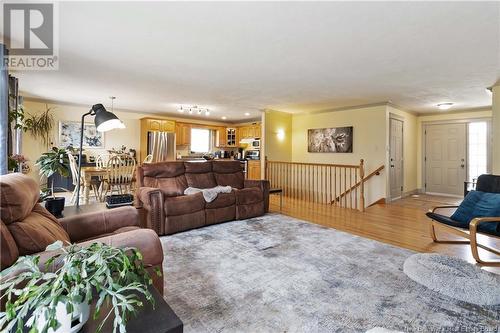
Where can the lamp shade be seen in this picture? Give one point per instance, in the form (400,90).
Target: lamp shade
(105,120)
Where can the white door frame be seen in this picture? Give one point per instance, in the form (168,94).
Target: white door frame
(456,121)
(393,116)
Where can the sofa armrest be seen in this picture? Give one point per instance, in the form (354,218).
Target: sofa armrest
(91,225)
(264,186)
(144,240)
(150,200)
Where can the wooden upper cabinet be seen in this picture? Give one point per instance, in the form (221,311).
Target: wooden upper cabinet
(250,131)
(154,124)
(168,126)
(159,125)
(182,134)
(221,136)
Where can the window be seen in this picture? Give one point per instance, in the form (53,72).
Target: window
(200,140)
(478,149)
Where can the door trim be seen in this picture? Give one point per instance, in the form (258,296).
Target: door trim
(455,121)
(393,116)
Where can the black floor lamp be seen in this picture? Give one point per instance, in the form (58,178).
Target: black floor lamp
(104,121)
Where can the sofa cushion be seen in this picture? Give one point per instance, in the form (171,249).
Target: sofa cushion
(199,174)
(222,200)
(170,187)
(201,180)
(198,167)
(184,204)
(162,169)
(235,180)
(479,204)
(38,230)
(18,195)
(229,173)
(248,196)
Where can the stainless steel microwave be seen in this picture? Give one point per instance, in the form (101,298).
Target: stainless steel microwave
(256,144)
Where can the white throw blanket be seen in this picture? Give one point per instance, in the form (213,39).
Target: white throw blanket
(209,194)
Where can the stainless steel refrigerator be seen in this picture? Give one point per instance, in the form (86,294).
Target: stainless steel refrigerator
(162,146)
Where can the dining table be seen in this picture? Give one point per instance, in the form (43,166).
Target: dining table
(87,173)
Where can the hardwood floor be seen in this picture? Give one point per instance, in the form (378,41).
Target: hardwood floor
(402,223)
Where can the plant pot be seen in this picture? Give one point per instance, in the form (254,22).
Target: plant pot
(55,205)
(69,322)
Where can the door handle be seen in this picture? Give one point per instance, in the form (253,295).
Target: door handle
(392,165)
(462,166)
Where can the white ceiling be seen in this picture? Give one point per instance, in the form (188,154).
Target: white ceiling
(236,57)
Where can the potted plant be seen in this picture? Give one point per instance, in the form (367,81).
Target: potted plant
(18,163)
(54,161)
(58,301)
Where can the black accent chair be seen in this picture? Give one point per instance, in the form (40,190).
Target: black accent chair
(485,183)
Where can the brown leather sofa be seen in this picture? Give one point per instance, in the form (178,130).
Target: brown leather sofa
(165,209)
(27,227)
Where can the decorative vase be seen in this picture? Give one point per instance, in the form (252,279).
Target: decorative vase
(69,322)
(55,205)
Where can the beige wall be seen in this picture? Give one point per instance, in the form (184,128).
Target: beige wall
(369,142)
(496,130)
(278,149)
(130,136)
(421,120)
(409,148)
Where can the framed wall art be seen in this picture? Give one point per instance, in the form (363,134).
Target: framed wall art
(330,140)
(69,134)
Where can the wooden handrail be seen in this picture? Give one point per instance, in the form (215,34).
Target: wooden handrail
(362,181)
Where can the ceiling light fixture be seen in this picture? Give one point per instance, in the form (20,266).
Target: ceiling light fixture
(489,90)
(223,117)
(444,106)
(194,109)
(247,114)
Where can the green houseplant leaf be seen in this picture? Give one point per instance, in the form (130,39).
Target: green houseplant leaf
(111,275)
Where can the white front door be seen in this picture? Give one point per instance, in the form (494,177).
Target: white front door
(445,154)
(396,158)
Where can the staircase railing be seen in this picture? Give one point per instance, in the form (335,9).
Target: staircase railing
(319,183)
(376,172)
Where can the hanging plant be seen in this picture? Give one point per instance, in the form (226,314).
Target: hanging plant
(40,126)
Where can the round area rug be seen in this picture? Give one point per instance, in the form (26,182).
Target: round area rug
(454,277)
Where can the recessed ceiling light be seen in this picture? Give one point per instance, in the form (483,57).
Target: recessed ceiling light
(223,117)
(207,113)
(180,109)
(444,106)
(247,113)
(190,111)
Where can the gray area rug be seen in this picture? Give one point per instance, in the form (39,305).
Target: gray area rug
(454,277)
(279,274)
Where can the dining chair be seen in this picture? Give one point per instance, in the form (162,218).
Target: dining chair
(120,174)
(73,165)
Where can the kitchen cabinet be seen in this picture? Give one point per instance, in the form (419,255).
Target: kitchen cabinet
(159,125)
(182,134)
(221,137)
(231,137)
(253,169)
(250,131)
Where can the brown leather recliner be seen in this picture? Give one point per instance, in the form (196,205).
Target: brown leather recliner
(166,210)
(27,228)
